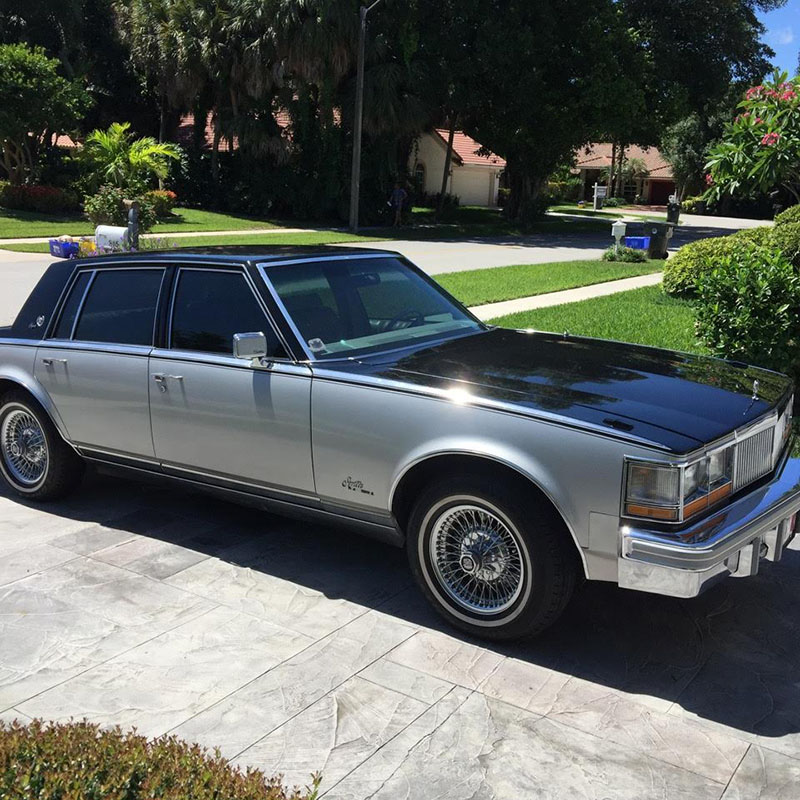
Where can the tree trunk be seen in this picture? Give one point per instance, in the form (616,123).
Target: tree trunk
(620,169)
(447,165)
(526,189)
(610,178)
(162,117)
(215,152)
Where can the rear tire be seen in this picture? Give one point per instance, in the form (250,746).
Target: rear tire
(494,562)
(35,461)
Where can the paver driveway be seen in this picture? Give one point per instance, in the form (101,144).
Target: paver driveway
(295,648)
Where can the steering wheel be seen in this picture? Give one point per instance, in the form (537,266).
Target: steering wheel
(410,316)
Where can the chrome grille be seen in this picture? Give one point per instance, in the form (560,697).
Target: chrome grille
(753,457)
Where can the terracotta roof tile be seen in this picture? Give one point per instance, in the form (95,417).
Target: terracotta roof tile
(466,149)
(598,156)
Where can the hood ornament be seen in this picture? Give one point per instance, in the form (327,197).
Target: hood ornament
(755,390)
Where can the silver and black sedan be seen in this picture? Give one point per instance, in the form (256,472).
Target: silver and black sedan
(347,386)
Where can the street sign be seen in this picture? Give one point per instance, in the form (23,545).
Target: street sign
(599,196)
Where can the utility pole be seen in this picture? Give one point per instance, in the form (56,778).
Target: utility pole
(355,173)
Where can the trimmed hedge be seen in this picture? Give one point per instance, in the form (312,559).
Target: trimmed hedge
(683,270)
(44,199)
(628,255)
(748,308)
(789,216)
(162,200)
(50,761)
(786,238)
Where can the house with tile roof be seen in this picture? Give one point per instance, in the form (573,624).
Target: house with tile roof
(654,188)
(474,174)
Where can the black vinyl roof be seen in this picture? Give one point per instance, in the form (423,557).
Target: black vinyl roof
(235,254)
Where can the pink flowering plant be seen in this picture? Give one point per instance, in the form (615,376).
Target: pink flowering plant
(760,149)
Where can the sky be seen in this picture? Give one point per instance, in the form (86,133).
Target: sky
(783,35)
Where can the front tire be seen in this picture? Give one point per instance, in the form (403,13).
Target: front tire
(35,461)
(494,562)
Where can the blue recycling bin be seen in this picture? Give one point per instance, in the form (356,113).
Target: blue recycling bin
(637,242)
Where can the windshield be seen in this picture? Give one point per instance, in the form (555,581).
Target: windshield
(346,307)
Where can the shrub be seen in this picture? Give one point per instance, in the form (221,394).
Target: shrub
(107,207)
(626,254)
(789,216)
(614,202)
(684,268)
(79,760)
(749,307)
(163,202)
(694,205)
(786,238)
(44,199)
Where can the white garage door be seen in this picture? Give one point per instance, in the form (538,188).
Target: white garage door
(472,186)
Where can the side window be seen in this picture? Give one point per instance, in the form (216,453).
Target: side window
(121,307)
(65,323)
(210,307)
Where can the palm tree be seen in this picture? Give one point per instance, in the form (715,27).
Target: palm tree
(129,163)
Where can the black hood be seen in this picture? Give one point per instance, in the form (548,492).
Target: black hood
(678,400)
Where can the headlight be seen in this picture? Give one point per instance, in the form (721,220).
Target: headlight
(677,493)
(653,491)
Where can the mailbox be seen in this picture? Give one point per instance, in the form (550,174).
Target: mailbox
(110,239)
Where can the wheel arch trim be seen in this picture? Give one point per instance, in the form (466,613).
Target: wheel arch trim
(488,454)
(24,381)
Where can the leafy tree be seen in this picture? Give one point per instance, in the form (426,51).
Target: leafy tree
(35,103)
(760,149)
(125,162)
(83,36)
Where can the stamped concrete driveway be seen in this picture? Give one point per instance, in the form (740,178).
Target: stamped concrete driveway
(295,648)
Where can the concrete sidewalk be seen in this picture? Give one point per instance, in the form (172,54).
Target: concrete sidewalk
(175,234)
(501,309)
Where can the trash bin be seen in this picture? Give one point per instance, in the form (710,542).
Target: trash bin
(660,233)
(673,212)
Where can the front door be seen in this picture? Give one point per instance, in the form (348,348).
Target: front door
(217,418)
(95,366)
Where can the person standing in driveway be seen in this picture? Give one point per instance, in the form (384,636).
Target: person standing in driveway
(397,201)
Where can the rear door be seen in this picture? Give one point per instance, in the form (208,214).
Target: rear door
(216,417)
(95,365)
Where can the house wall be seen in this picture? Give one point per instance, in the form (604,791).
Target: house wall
(431,153)
(474,185)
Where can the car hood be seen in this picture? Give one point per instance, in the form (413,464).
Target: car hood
(675,399)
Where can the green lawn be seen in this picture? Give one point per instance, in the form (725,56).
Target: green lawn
(479,286)
(474,221)
(21,224)
(314,237)
(607,213)
(644,316)
(460,223)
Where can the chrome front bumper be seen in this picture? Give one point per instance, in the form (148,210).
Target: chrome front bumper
(730,542)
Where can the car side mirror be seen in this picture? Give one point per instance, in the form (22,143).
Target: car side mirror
(251,347)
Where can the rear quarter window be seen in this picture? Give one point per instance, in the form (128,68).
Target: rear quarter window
(120,307)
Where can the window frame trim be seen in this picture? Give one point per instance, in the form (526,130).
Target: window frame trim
(232,270)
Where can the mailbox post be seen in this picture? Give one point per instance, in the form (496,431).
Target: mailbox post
(618,229)
(133,226)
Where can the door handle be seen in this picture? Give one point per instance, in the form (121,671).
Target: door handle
(161,379)
(48,362)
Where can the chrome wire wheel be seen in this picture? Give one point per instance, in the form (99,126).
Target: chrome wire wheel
(477,559)
(23,447)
